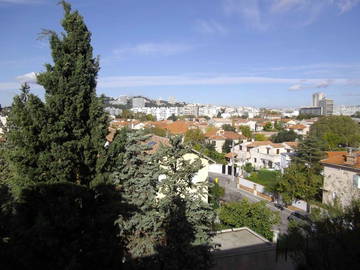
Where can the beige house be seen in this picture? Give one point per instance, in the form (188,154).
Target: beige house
(341,177)
(218,138)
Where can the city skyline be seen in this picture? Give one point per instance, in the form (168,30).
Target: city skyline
(250,53)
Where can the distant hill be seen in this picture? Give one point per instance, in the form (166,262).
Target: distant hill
(148,102)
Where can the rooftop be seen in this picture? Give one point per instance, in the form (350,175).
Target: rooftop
(343,158)
(240,238)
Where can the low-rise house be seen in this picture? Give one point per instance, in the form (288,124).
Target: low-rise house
(263,154)
(341,177)
(3,121)
(218,138)
(300,129)
(245,122)
(219,122)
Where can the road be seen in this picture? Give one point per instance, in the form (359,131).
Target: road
(232,193)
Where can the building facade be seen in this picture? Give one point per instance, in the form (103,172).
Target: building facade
(341,177)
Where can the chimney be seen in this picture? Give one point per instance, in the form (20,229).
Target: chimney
(351,157)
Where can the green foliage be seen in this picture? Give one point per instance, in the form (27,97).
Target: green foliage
(265,177)
(127,114)
(356,114)
(260,137)
(256,216)
(331,241)
(302,179)
(215,193)
(173,117)
(309,153)
(4,166)
(228,127)
(59,140)
(194,136)
(278,125)
(215,155)
(187,218)
(285,136)
(156,131)
(227,146)
(245,130)
(65,226)
(336,131)
(306,116)
(137,173)
(298,182)
(268,126)
(248,167)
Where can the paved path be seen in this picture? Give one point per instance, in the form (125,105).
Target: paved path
(232,193)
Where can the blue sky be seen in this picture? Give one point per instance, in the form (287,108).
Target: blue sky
(272,53)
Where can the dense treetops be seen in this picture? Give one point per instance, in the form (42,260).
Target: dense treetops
(336,132)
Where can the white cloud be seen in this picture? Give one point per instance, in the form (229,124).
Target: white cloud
(346,5)
(28,78)
(265,14)
(249,10)
(153,49)
(318,83)
(184,80)
(211,27)
(286,5)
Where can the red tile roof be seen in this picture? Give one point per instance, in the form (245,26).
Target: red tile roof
(340,157)
(261,143)
(299,126)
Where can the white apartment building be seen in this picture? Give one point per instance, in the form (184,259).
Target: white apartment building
(263,154)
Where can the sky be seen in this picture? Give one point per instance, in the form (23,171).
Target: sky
(262,53)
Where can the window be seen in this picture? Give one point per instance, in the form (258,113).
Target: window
(268,150)
(240,147)
(288,150)
(356,181)
(270,164)
(255,160)
(277,151)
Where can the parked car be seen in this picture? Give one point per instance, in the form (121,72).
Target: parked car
(298,216)
(279,206)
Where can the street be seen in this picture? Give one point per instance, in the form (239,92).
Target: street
(232,193)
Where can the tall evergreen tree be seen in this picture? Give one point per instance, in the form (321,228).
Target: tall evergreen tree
(66,134)
(187,219)
(77,124)
(309,154)
(24,139)
(137,173)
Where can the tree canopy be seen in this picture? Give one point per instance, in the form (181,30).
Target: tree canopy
(285,136)
(336,132)
(194,136)
(256,216)
(245,130)
(329,241)
(228,127)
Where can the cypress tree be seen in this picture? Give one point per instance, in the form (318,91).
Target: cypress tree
(61,139)
(75,128)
